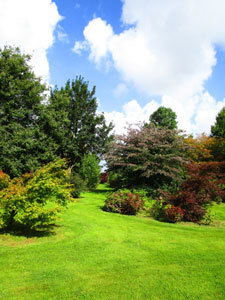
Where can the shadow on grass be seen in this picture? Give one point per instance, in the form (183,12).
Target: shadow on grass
(103,191)
(28,232)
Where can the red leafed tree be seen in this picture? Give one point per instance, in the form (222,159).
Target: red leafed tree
(203,186)
(147,156)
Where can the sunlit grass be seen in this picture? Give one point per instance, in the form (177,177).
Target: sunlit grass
(98,255)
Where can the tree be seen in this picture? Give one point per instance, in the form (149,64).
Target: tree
(22,146)
(147,156)
(218,130)
(200,149)
(164,117)
(74,124)
(90,171)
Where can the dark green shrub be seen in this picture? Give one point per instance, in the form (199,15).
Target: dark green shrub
(123,202)
(78,185)
(116,180)
(157,210)
(90,171)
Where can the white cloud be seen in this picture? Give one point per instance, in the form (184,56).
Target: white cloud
(132,114)
(30,24)
(62,35)
(168,50)
(80,46)
(97,37)
(198,117)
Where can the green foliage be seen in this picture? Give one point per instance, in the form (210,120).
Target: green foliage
(157,210)
(34,200)
(90,171)
(123,202)
(73,123)
(116,179)
(33,133)
(23,147)
(164,117)
(78,184)
(218,130)
(147,157)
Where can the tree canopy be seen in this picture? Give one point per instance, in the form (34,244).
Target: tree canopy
(22,146)
(35,130)
(73,122)
(147,156)
(164,117)
(218,130)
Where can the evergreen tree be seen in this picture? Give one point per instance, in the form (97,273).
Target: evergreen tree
(218,130)
(22,146)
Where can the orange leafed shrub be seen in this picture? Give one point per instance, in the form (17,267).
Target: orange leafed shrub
(4,180)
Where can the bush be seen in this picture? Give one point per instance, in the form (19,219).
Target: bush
(34,200)
(174,214)
(4,180)
(202,187)
(78,185)
(157,210)
(90,171)
(104,177)
(123,202)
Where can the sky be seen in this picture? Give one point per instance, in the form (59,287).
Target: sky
(139,54)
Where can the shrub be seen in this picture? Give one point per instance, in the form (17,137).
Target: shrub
(174,214)
(90,171)
(123,202)
(34,200)
(4,180)
(202,186)
(77,183)
(104,177)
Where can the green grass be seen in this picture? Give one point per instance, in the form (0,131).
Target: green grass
(98,255)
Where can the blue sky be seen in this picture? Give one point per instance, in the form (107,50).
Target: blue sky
(138,54)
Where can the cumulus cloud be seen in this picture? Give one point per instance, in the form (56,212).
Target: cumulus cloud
(30,24)
(132,114)
(167,49)
(196,117)
(97,35)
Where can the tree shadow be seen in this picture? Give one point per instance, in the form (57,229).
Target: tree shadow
(19,230)
(103,191)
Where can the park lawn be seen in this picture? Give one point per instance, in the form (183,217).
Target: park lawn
(98,255)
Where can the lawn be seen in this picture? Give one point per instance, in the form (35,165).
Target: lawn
(98,255)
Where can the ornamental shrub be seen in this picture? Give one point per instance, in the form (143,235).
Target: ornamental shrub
(34,200)
(123,202)
(104,177)
(4,180)
(203,186)
(174,214)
